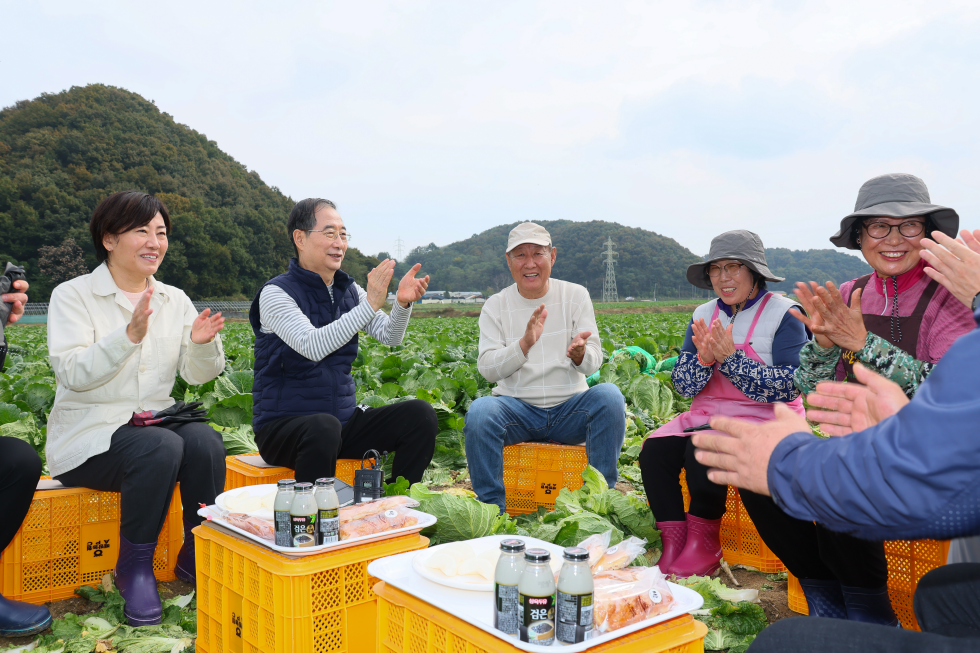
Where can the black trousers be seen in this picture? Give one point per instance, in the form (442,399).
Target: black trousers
(144,462)
(311,444)
(661,460)
(946,603)
(20,470)
(812,551)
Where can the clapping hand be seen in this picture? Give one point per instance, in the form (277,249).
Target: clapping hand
(811,319)
(839,323)
(136,330)
(576,350)
(701,335)
(721,341)
(410,289)
(535,326)
(954,263)
(206,327)
(841,408)
(377,284)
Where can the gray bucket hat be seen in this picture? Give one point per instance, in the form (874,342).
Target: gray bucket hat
(896,195)
(740,245)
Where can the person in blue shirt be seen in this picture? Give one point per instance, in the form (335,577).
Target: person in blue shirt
(907,470)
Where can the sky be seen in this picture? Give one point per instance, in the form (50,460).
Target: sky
(433,121)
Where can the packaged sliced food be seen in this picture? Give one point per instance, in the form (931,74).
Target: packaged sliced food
(264,529)
(623,597)
(620,555)
(596,545)
(389,520)
(362,510)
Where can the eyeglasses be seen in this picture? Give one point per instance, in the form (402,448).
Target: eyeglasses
(732,270)
(521,257)
(910,229)
(331,234)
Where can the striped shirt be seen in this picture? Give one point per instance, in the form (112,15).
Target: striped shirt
(279,314)
(545,377)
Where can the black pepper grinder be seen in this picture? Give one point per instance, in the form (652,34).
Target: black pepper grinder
(369,483)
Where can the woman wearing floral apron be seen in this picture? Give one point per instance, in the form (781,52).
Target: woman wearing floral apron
(738,360)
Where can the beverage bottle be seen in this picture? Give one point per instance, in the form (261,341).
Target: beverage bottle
(284,501)
(506,577)
(574,609)
(302,516)
(328,507)
(536,594)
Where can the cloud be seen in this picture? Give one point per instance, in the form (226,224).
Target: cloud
(435,120)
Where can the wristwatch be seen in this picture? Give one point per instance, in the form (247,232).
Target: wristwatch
(976,302)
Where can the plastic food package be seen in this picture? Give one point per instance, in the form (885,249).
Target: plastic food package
(362,510)
(627,596)
(389,520)
(264,529)
(620,555)
(596,545)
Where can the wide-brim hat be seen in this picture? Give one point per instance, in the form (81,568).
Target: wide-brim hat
(895,195)
(740,245)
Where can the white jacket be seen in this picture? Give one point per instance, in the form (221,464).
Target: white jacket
(103,378)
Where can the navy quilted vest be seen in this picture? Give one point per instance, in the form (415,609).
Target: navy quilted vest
(286,382)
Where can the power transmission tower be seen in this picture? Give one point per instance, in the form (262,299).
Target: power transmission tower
(399,248)
(609,292)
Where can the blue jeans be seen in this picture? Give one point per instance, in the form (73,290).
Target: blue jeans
(596,417)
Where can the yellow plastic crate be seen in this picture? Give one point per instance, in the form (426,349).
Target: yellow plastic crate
(253,599)
(70,538)
(534,472)
(239,474)
(908,562)
(740,541)
(410,625)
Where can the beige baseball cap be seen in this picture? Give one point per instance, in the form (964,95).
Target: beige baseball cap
(528,232)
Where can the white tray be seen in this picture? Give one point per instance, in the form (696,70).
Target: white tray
(474,582)
(476,608)
(424,521)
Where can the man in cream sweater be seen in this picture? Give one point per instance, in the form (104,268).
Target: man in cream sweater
(538,342)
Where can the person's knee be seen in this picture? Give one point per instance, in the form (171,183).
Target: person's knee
(482,412)
(19,460)
(321,435)
(200,440)
(608,395)
(423,415)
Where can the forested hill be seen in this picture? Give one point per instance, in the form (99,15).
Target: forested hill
(645,260)
(62,153)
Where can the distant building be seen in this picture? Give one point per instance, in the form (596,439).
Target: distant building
(439,297)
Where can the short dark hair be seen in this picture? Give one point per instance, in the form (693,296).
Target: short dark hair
(303,216)
(120,212)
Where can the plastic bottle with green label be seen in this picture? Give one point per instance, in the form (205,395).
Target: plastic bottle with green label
(573,623)
(303,516)
(283,521)
(506,577)
(536,593)
(328,507)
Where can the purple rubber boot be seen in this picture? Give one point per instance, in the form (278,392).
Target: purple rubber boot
(186,567)
(673,534)
(136,583)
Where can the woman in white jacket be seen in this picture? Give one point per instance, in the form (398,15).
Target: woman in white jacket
(116,339)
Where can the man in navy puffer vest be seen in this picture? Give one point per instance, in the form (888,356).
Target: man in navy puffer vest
(306,323)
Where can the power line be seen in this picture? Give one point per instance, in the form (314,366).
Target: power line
(609,291)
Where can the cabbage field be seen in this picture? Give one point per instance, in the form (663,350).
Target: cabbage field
(437,363)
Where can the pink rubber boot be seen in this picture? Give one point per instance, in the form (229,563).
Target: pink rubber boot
(673,535)
(702,551)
